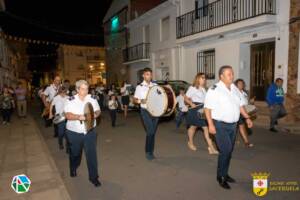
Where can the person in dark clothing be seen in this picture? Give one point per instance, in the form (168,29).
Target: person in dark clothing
(275,99)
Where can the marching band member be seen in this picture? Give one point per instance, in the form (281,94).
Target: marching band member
(59,102)
(150,122)
(223,106)
(240,84)
(195,99)
(182,108)
(113,106)
(76,132)
(47,96)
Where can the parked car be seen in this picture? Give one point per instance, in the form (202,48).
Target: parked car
(175,84)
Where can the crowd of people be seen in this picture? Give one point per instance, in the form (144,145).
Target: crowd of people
(11,99)
(219,112)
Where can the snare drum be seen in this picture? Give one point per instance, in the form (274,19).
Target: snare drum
(160,101)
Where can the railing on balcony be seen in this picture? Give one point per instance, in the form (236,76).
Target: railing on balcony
(137,52)
(220,13)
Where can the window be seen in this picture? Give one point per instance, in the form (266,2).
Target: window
(201,8)
(206,63)
(165,28)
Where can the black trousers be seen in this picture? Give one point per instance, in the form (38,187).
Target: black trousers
(86,142)
(113,117)
(150,124)
(6,113)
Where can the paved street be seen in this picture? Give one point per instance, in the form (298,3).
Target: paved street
(178,173)
(23,151)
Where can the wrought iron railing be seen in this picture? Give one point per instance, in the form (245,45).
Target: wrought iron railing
(220,13)
(137,52)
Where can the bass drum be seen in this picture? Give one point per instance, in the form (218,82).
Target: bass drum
(160,101)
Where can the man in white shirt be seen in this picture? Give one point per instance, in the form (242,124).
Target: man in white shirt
(47,96)
(150,122)
(79,138)
(223,105)
(59,102)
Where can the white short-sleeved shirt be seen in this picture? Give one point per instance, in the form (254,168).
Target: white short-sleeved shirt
(59,102)
(112,105)
(181,104)
(141,91)
(196,94)
(76,106)
(100,89)
(245,97)
(224,103)
(50,92)
(124,90)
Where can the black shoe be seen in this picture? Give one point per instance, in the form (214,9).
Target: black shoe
(230,179)
(55,136)
(96,182)
(61,147)
(73,173)
(276,122)
(223,183)
(273,130)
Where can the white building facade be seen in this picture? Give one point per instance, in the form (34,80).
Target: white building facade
(152,43)
(182,37)
(250,35)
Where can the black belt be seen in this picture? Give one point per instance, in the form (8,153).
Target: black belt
(224,122)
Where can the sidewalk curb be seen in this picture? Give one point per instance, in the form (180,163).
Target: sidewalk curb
(63,189)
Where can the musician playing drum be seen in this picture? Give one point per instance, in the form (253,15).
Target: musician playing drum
(77,133)
(195,99)
(59,102)
(150,122)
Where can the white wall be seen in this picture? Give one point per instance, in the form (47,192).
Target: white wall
(160,51)
(234,50)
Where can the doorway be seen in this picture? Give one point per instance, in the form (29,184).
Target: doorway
(262,69)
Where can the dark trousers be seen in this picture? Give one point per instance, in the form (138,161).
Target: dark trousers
(87,142)
(55,130)
(225,138)
(6,113)
(150,124)
(179,118)
(101,101)
(113,117)
(61,128)
(277,111)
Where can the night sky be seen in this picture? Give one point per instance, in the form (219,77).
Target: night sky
(70,22)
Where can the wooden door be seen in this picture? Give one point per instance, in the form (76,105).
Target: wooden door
(262,69)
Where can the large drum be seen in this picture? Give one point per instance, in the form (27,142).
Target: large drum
(160,101)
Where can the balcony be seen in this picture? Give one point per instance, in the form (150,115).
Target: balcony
(137,53)
(221,13)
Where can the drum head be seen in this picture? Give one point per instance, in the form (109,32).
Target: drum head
(156,101)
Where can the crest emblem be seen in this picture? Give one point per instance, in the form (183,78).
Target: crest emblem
(260,183)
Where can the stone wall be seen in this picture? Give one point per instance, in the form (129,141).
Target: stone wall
(293,99)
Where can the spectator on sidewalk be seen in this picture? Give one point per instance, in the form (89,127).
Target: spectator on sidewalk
(6,105)
(275,99)
(21,93)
